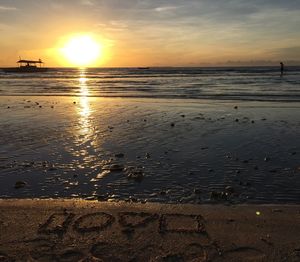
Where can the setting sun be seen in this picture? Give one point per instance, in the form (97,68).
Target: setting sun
(81,50)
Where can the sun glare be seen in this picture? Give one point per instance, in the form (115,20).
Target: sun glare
(82,51)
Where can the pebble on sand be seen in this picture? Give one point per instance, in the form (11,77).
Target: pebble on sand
(119,155)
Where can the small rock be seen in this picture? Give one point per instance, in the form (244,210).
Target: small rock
(116,168)
(229,189)
(163,193)
(197,191)
(20,184)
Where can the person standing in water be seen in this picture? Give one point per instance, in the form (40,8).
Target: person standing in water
(281,68)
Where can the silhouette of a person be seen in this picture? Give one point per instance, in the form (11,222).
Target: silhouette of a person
(281,69)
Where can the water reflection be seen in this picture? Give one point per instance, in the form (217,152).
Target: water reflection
(84,110)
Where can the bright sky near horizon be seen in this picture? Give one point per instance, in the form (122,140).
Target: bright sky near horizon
(150,32)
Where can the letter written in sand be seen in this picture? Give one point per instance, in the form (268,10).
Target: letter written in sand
(57,223)
(93,222)
(178,223)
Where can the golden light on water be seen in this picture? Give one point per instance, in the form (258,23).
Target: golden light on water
(82,50)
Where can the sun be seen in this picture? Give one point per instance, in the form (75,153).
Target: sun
(82,50)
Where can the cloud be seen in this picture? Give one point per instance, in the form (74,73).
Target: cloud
(87,2)
(165,8)
(7,8)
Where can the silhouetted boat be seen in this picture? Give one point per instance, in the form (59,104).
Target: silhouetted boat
(144,68)
(27,66)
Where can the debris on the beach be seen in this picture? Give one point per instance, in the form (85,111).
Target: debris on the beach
(74,103)
(119,155)
(267,159)
(20,184)
(237,120)
(252,121)
(236,107)
(148,155)
(8,107)
(182,115)
(172,124)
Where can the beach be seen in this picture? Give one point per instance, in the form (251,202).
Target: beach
(68,230)
(161,165)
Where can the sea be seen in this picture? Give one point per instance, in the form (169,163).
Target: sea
(234,83)
(169,135)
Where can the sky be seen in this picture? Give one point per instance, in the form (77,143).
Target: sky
(153,32)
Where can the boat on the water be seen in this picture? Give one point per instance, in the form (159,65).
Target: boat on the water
(27,66)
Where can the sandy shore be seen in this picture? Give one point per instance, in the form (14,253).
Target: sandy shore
(67,230)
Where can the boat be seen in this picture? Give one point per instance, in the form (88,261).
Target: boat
(27,66)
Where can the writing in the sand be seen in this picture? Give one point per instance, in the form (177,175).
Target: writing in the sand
(60,223)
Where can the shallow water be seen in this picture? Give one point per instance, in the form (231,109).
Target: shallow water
(189,151)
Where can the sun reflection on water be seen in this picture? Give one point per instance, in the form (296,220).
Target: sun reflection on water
(84,109)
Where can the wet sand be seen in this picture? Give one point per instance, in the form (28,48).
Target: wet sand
(149,150)
(60,230)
